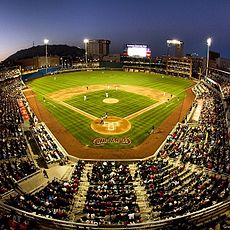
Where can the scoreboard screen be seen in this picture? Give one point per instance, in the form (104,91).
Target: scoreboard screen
(139,51)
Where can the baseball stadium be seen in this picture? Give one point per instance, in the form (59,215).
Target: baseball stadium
(103,148)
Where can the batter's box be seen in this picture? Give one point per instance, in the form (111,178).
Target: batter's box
(111,126)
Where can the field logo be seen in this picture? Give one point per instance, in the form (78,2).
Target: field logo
(102,141)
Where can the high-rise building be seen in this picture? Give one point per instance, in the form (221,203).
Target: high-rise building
(98,48)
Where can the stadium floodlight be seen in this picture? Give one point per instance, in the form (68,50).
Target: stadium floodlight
(209,42)
(86,41)
(174,42)
(46,41)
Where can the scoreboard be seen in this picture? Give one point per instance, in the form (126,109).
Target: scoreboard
(138,51)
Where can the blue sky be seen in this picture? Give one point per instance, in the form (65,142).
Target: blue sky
(23,22)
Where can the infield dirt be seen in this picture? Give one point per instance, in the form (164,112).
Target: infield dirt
(65,94)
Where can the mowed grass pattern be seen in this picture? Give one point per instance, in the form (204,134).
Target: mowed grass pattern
(79,125)
(129,103)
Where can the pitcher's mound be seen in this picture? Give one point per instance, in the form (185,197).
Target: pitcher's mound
(111,126)
(110,100)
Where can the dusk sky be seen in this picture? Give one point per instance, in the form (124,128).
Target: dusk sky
(150,22)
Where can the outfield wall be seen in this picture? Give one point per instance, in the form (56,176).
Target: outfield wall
(39,73)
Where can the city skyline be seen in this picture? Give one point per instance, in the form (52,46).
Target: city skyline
(25,23)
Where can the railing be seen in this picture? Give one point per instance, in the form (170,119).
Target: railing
(192,218)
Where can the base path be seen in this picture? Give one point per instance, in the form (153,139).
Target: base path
(75,148)
(90,116)
(138,113)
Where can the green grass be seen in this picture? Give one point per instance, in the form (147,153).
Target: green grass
(129,103)
(79,125)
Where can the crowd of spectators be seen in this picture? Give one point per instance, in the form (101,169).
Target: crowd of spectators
(77,172)
(12,171)
(175,190)
(10,130)
(223,79)
(54,200)
(9,73)
(9,110)
(206,142)
(50,150)
(14,111)
(172,189)
(200,89)
(14,221)
(11,148)
(14,164)
(226,90)
(111,197)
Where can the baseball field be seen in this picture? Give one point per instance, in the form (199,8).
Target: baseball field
(107,109)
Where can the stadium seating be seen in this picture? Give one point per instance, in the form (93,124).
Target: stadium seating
(222,79)
(205,142)
(176,191)
(189,173)
(13,171)
(111,198)
(49,149)
(15,165)
(52,201)
(14,221)
(9,73)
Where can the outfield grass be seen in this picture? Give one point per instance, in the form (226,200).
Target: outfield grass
(79,125)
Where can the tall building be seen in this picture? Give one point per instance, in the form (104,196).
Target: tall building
(97,49)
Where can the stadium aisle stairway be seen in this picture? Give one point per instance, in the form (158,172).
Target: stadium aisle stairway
(141,194)
(80,197)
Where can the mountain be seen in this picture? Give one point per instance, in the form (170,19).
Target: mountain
(52,50)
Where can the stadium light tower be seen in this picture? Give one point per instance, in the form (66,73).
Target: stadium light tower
(209,42)
(174,42)
(86,41)
(178,47)
(46,41)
